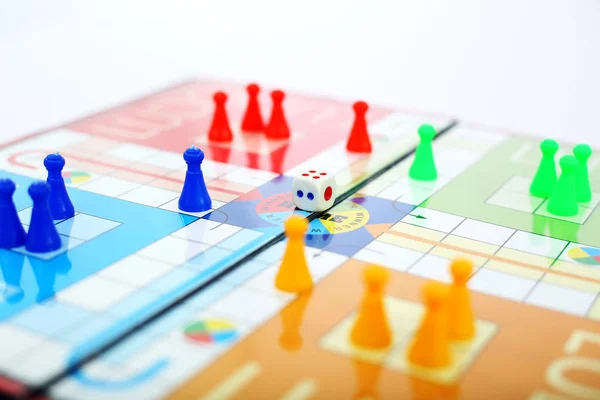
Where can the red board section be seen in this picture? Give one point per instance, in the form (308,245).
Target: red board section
(175,119)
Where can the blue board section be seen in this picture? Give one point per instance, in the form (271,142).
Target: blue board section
(165,324)
(112,229)
(97,341)
(30,279)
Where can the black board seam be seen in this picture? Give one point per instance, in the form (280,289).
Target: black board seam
(40,389)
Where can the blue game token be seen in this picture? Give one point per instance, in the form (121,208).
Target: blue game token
(194,195)
(42,236)
(12,233)
(59,201)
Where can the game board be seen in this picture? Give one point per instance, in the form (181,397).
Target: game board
(535,291)
(535,286)
(129,255)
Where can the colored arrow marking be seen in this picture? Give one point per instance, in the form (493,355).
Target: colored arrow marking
(377,229)
(418,216)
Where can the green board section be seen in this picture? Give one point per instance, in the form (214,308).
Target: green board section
(489,181)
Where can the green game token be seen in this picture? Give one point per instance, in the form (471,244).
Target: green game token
(563,201)
(544,181)
(423,166)
(582,181)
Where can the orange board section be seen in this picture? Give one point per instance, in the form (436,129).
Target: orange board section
(519,352)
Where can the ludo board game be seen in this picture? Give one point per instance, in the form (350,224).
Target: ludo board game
(142,300)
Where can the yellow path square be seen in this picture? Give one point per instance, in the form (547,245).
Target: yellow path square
(418,231)
(405,242)
(524,257)
(575,283)
(582,270)
(454,243)
(412,237)
(404,317)
(517,270)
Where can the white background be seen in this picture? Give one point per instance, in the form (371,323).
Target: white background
(527,65)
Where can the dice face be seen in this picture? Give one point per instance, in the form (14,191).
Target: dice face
(314,190)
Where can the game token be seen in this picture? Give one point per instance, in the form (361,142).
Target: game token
(12,233)
(461,321)
(359,140)
(371,329)
(582,153)
(544,181)
(293,275)
(219,128)
(42,236)
(277,128)
(563,201)
(253,121)
(194,195)
(423,166)
(60,203)
(430,347)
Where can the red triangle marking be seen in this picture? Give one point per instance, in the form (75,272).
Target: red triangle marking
(252,195)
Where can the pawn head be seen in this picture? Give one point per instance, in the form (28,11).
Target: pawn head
(253,89)
(7,188)
(568,163)
(375,277)
(461,269)
(39,191)
(295,227)
(435,294)
(360,107)
(193,155)
(277,95)
(549,146)
(54,162)
(220,97)
(582,152)
(426,132)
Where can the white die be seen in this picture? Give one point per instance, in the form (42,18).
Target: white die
(314,190)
